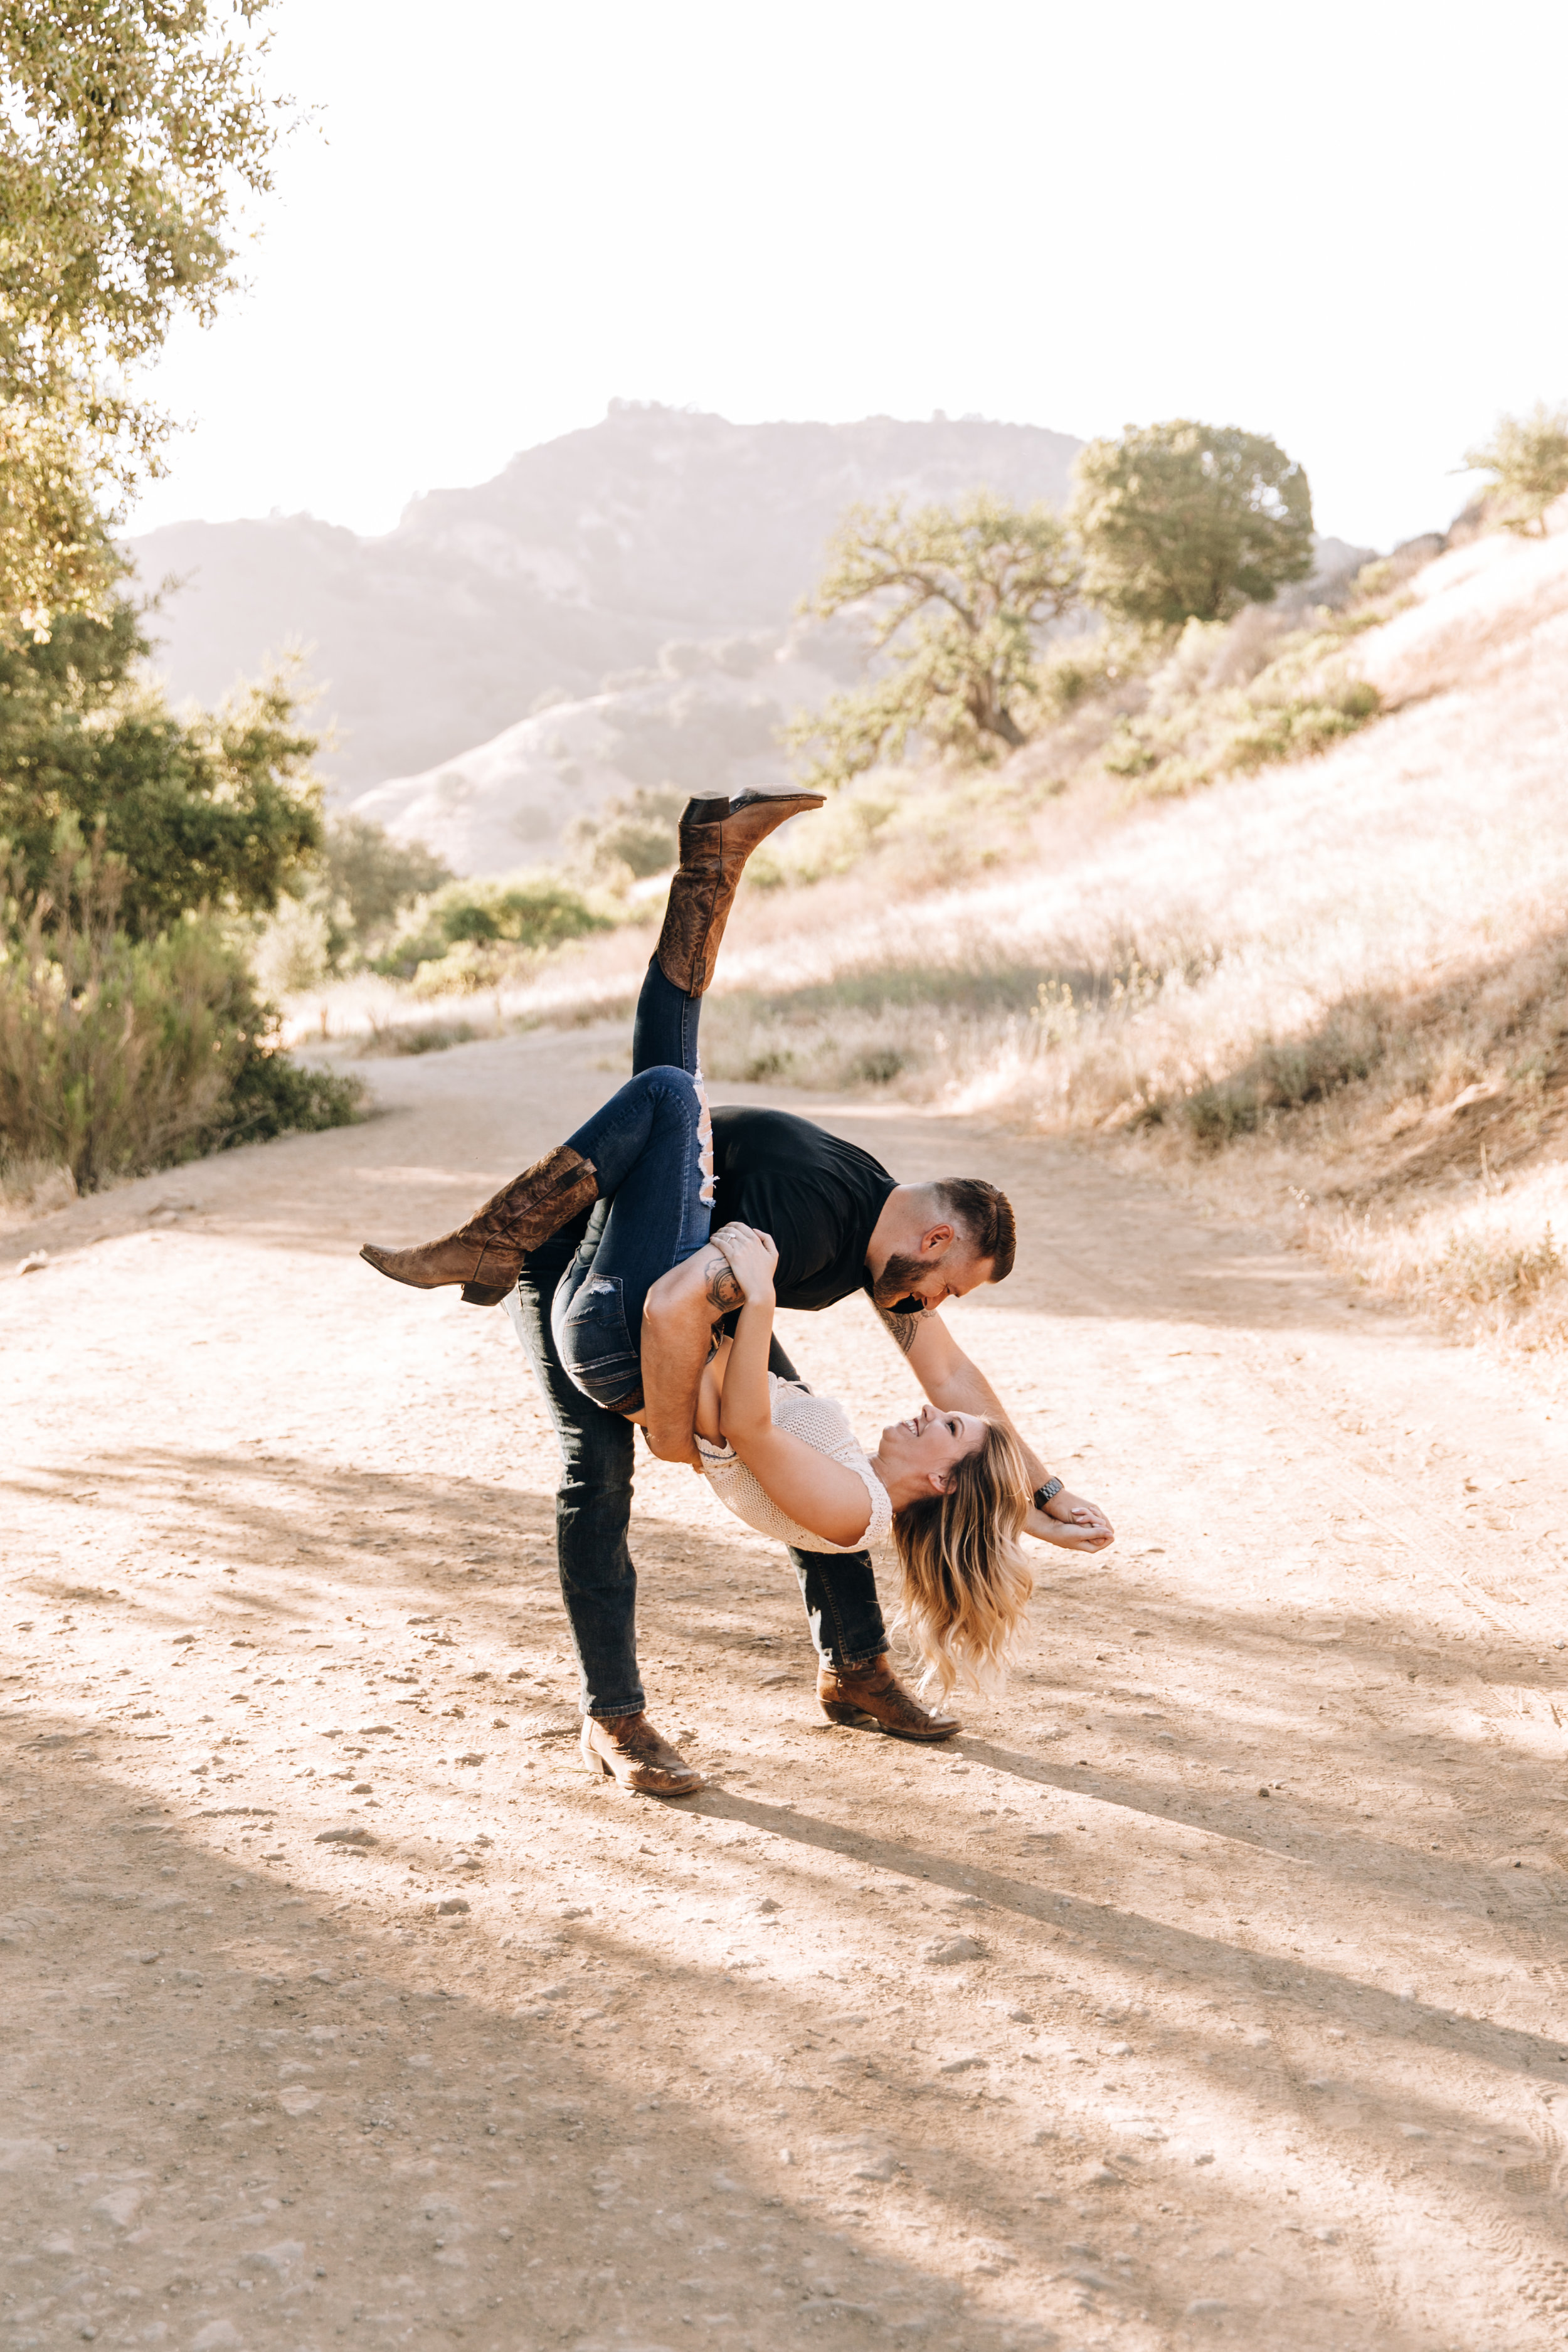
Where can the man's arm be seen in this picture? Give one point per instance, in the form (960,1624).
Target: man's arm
(678,1321)
(954,1384)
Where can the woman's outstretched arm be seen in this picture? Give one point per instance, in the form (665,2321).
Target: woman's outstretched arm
(954,1384)
(816,1492)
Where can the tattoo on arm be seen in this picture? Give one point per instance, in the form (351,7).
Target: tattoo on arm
(723,1291)
(903,1329)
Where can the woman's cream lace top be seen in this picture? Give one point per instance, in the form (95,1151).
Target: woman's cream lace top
(819,1421)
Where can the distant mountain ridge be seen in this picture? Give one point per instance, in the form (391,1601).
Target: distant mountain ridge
(583,558)
(706,718)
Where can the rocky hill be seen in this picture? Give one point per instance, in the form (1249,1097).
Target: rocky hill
(586,557)
(704,717)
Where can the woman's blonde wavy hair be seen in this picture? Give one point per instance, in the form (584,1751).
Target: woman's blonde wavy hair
(966,1583)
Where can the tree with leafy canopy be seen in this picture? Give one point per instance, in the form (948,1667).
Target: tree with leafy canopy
(372,878)
(131,132)
(215,810)
(956,597)
(1527,457)
(130,1032)
(1183,521)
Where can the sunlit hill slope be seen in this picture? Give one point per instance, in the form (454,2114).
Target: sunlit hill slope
(1337,985)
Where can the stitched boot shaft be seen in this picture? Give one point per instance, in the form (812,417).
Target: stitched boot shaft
(484,1255)
(717,836)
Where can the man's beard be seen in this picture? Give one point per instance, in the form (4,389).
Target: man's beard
(891,1291)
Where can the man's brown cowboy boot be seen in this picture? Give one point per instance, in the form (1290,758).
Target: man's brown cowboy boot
(484,1255)
(872,1698)
(627,1748)
(717,837)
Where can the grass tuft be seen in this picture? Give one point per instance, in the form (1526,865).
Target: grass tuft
(416,1037)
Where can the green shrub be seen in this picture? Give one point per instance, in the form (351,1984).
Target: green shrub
(1527,457)
(1084,668)
(119,1055)
(273,1095)
(877,1066)
(1295,730)
(417,1036)
(1129,754)
(114,1055)
(1304,700)
(637,832)
(1487,1271)
(1280,1079)
(524,917)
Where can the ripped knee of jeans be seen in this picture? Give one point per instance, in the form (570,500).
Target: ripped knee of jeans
(704,1141)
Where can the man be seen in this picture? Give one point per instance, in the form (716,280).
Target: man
(841,1223)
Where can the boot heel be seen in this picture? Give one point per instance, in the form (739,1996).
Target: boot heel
(841,1710)
(590,1755)
(487,1294)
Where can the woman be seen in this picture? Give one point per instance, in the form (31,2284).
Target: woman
(950,1491)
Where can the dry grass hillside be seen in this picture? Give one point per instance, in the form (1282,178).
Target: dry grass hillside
(1332,990)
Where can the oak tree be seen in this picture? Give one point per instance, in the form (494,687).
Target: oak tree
(1527,457)
(955,599)
(1183,521)
(215,810)
(131,133)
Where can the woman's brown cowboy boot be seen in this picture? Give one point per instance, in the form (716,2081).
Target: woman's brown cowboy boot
(716,839)
(485,1254)
(872,1698)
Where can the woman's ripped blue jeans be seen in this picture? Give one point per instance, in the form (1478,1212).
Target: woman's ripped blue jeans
(652,1151)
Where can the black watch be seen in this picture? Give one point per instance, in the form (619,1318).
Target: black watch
(1047,1493)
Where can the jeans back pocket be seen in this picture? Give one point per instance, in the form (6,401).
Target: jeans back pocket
(595,1348)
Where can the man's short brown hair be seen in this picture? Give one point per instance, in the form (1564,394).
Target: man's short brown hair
(984,1218)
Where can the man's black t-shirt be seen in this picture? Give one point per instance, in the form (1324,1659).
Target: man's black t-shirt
(818,1196)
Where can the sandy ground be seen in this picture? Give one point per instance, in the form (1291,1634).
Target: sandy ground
(1209,1988)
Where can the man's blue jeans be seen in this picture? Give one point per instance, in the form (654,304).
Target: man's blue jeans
(593,1502)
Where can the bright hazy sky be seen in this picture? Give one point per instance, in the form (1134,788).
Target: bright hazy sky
(1339,224)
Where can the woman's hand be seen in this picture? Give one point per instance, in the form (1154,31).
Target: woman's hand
(752,1258)
(1072,1523)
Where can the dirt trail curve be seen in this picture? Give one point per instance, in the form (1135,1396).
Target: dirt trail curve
(1209,1989)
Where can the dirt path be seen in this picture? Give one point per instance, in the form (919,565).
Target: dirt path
(1208,1989)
